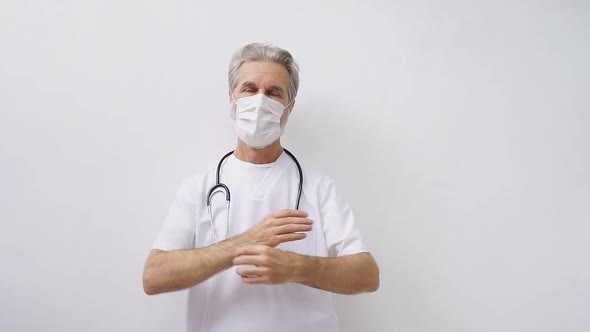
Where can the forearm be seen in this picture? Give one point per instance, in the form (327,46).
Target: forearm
(168,271)
(350,274)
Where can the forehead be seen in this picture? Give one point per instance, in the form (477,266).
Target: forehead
(263,73)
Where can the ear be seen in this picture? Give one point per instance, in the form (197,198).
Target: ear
(292,106)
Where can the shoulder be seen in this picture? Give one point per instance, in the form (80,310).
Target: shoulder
(316,179)
(314,175)
(194,185)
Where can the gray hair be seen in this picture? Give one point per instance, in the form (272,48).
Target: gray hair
(264,52)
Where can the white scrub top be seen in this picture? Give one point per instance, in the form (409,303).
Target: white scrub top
(225,303)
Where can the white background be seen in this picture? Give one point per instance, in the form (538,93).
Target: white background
(458,131)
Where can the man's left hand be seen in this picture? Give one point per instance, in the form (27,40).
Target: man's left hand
(267,265)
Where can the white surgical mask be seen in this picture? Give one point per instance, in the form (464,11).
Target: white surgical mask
(258,120)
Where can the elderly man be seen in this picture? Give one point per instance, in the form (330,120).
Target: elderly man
(267,255)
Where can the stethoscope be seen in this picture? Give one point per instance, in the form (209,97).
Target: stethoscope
(222,187)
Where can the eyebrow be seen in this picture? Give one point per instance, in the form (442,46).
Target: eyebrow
(272,87)
(248,85)
(277,88)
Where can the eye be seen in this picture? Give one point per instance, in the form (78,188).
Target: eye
(247,91)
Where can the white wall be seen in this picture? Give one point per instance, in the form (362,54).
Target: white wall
(458,131)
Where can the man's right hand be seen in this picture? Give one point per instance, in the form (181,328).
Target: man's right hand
(276,228)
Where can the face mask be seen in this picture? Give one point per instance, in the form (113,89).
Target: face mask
(258,120)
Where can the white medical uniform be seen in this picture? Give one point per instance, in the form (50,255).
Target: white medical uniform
(224,303)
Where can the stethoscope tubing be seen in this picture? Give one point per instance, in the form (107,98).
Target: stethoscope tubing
(219,184)
(223,187)
(300,189)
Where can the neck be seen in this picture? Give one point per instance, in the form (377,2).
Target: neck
(265,155)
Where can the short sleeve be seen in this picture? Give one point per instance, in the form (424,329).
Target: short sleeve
(178,230)
(342,236)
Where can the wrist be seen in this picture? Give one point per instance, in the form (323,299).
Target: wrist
(226,250)
(305,268)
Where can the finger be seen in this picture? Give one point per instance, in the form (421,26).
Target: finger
(252,272)
(257,280)
(289,237)
(257,260)
(292,228)
(288,213)
(251,250)
(292,220)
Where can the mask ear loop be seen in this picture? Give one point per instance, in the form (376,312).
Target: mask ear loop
(288,105)
(232,111)
(289,109)
(288,115)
